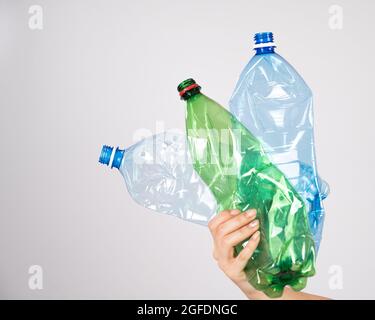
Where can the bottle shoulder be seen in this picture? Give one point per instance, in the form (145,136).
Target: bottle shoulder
(269,77)
(203,105)
(277,69)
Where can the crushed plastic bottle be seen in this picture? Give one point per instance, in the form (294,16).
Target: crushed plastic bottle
(159,175)
(232,162)
(273,101)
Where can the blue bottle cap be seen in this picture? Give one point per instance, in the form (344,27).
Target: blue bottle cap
(263,43)
(263,37)
(105,155)
(117,158)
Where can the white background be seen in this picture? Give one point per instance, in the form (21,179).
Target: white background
(98,72)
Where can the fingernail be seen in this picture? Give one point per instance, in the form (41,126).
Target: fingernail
(250,213)
(255,235)
(254,223)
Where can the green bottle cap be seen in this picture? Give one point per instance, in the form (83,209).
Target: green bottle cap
(188,88)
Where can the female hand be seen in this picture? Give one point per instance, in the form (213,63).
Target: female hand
(229,228)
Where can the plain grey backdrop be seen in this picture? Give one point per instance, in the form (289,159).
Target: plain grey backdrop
(99,72)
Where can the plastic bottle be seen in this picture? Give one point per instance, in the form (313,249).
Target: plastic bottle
(232,162)
(273,101)
(159,175)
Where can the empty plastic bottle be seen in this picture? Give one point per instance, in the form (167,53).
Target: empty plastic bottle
(232,162)
(159,175)
(273,101)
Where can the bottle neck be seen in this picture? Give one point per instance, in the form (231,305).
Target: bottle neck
(192,96)
(264,50)
(190,93)
(117,158)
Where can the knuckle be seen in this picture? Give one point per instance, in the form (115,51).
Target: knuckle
(226,241)
(243,232)
(251,246)
(254,240)
(243,218)
(234,212)
(245,254)
(220,230)
(224,213)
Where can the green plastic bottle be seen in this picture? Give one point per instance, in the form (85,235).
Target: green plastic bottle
(231,161)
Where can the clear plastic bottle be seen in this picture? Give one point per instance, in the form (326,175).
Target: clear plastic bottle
(159,175)
(273,101)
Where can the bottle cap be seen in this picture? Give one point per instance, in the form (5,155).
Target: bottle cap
(263,39)
(105,155)
(263,43)
(188,88)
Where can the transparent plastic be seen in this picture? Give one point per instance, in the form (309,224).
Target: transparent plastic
(232,162)
(159,175)
(273,101)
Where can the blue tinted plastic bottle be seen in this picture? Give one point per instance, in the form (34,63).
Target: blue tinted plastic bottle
(159,175)
(273,101)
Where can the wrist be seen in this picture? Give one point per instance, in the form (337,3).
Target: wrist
(248,290)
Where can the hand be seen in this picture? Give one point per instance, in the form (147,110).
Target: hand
(231,227)
(228,229)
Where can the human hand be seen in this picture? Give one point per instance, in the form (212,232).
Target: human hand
(229,228)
